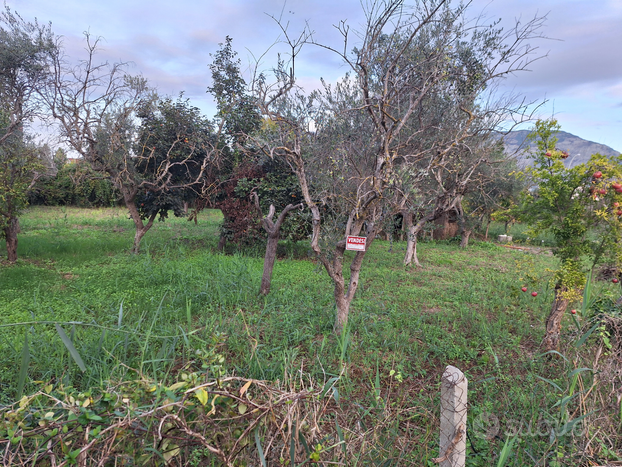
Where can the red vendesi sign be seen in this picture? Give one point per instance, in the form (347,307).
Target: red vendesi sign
(355,243)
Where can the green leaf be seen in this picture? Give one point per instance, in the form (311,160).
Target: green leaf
(552,352)
(569,426)
(586,335)
(72,350)
(330,383)
(91,416)
(292,447)
(172,451)
(23,369)
(341,438)
(587,293)
(101,341)
(202,395)
(177,385)
(304,443)
(120,320)
(550,382)
(262,459)
(506,451)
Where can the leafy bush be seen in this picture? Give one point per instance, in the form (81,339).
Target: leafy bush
(75,184)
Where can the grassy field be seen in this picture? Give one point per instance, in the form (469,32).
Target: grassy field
(149,325)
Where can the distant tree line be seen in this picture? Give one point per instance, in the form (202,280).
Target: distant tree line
(72,183)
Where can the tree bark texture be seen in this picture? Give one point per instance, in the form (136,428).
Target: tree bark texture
(447,226)
(268,264)
(464,238)
(411,239)
(343,296)
(10,234)
(274,230)
(412,230)
(342,303)
(129,197)
(554,321)
(465,232)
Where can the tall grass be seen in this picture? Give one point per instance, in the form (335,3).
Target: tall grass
(147,317)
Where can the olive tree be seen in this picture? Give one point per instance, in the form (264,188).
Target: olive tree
(26,51)
(415,101)
(464,183)
(433,101)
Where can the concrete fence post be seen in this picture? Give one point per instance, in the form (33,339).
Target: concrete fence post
(454,387)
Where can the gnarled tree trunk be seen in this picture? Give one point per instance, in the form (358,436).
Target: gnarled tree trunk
(554,321)
(343,296)
(342,303)
(273,229)
(465,232)
(447,227)
(464,238)
(10,234)
(411,239)
(413,229)
(129,197)
(268,263)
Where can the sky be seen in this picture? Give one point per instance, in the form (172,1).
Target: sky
(578,78)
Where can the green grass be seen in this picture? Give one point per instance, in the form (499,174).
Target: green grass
(520,235)
(147,314)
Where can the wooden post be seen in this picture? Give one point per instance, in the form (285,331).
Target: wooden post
(454,387)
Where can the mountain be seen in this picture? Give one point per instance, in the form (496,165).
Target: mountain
(580,149)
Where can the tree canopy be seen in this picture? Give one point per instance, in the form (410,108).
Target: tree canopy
(26,52)
(405,131)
